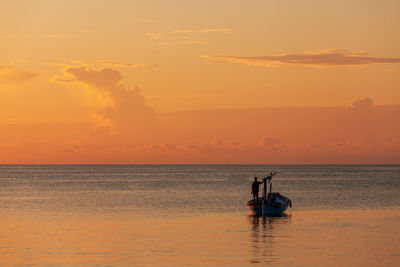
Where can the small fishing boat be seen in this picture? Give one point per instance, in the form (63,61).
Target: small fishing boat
(270,204)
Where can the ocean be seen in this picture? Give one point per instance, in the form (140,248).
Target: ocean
(196,215)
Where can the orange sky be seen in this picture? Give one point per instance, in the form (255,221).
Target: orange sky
(199,82)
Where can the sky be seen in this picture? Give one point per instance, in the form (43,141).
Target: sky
(193,82)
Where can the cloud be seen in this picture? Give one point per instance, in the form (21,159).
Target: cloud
(347,144)
(183,31)
(185,37)
(320,58)
(12,75)
(227,30)
(100,63)
(156,36)
(269,141)
(61,79)
(362,104)
(185,42)
(121,64)
(106,79)
(128,112)
(175,40)
(167,147)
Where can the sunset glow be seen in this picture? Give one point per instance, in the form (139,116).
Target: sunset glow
(192,82)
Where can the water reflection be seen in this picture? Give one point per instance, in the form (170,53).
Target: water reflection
(264,232)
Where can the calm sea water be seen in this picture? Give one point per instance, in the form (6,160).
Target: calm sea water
(197,216)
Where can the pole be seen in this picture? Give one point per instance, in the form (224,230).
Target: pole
(264,197)
(262,207)
(265,188)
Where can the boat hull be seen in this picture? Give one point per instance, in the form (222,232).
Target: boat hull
(275,205)
(268,211)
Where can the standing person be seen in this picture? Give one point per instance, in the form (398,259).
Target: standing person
(255,188)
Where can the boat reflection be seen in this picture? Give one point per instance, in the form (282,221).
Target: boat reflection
(264,232)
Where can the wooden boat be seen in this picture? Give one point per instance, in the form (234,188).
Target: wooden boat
(271,203)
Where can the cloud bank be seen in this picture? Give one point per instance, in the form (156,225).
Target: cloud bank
(128,113)
(12,75)
(362,133)
(321,58)
(362,104)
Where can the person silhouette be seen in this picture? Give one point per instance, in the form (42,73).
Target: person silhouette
(255,189)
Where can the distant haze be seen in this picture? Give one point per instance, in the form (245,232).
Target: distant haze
(361,133)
